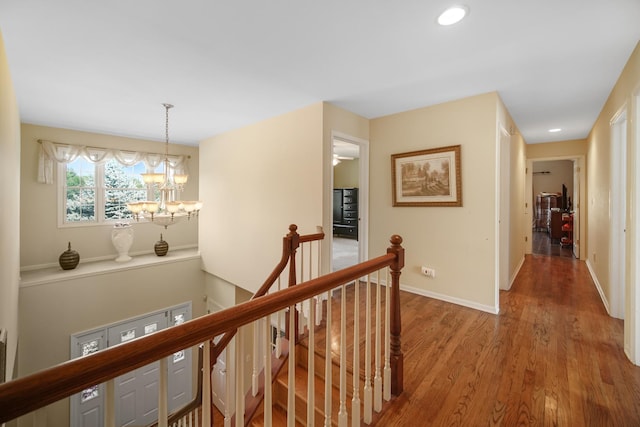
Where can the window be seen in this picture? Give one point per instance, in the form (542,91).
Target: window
(98,192)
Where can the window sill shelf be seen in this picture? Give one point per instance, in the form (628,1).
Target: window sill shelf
(56,274)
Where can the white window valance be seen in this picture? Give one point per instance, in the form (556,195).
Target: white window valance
(51,152)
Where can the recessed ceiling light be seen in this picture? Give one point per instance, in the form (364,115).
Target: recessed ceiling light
(453,15)
(555,130)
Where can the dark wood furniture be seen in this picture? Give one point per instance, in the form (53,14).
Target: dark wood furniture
(345,212)
(555,226)
(545,203)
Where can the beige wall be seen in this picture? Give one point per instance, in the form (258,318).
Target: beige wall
(599,184)
(569,148)
(9,218)
(560,172)
(50,313)
(255,181)
(346,174)
(517,203)
(42,241)
(443,238)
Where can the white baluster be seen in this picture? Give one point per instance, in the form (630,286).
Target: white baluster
(163,410)
(355,400)
(319,297)
(228,377)
(279,325)
(311,403)
(109,405)
(206,383)
(256,359)
(368,391)
(377,379)
(328,366)
(343,415)
(387,339)
(291,400)
(240,376)
(267,372)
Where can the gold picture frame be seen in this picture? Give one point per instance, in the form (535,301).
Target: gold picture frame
(429,177)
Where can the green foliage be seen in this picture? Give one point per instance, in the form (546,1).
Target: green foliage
(120,186)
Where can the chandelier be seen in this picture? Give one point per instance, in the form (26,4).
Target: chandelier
(169,210)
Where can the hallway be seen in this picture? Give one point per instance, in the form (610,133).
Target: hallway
(553,356)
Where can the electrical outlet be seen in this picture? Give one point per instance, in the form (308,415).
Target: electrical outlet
(429,272)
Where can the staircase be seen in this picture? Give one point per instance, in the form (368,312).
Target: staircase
(306,288)
(302,377)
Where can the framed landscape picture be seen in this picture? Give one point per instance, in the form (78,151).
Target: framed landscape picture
(427,177)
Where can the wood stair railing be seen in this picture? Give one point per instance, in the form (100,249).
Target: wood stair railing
(290,244)
(26,394)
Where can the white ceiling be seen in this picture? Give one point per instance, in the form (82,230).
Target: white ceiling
(107,66)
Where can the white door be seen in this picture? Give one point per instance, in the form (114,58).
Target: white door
(136,392)
(617,213)
(86,407)
(219,381)
(180,377)
(576,209)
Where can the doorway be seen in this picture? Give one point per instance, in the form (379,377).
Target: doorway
(349,201)
(555,201)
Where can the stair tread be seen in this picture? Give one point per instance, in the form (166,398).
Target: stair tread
(278,418)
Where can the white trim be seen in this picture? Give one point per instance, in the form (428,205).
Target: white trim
(450,299)
(515,273)
(598,286)
(442,297)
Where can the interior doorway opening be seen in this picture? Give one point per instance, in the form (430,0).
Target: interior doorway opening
(553,188)
(349,202)
(555,200)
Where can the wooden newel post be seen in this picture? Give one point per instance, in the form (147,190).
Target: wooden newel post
(397,358)
(294,242)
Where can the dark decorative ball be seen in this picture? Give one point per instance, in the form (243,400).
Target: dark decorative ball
(161,247)
(69,259)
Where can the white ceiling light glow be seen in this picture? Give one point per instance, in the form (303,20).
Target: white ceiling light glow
(555,130)
(453,15)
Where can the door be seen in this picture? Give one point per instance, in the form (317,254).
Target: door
(576,209)
(136,392)
(617,213)
(87,409)
(180,377)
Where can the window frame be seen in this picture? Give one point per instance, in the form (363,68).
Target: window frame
(99,201)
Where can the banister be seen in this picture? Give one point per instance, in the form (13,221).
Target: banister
(290,243)
(34,391)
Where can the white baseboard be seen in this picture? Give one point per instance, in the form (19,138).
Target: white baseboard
(453,300)
(598,287)
(514,275)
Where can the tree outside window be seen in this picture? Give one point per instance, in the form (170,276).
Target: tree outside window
(99,192)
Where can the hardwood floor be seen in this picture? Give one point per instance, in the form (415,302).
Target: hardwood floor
(542,245)
(551,357)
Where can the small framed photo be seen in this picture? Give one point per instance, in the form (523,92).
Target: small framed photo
(427,177)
